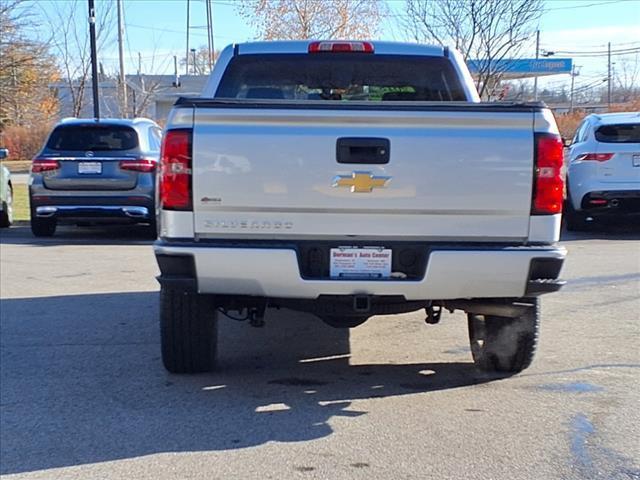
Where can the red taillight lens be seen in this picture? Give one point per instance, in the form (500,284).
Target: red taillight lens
(175,170)
(144,165)
(355,47)
(548,186)
(595,157)
(40,165)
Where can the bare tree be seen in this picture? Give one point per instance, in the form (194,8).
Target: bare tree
(70,40)
(320,19)
(201,64)
(487,31)
(627,78)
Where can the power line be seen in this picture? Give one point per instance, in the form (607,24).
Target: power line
(583,6)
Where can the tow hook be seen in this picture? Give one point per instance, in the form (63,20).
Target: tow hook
(433,314)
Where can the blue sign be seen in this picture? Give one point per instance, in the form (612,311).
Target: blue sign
(526,66)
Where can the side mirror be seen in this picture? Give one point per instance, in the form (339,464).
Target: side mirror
(4,153)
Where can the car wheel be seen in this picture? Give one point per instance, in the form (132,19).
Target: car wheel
(43,227)
(504,344)
(188,331)
(573,221)
(6,216)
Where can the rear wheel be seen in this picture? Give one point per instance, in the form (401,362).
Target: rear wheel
(504,344)
(188,331)
(573,221)
(43,227)
(6,215)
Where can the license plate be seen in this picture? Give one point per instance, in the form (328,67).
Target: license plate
(636,159)
(89,167)
(360,262)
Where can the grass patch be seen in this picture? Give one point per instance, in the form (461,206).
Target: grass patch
(21,202)
(17,166)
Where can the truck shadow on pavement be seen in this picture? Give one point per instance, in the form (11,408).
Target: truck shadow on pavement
(72,235)
(82,382)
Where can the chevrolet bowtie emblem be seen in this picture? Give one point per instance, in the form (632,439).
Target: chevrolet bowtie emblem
(361,182)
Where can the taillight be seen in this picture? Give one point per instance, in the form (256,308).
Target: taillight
(548,186)
(594,157)
(144,165)
(175,170)
(355,47)
(40,165)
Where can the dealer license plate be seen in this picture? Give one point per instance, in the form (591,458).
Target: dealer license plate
(360,262)
(89,167)
(636,159)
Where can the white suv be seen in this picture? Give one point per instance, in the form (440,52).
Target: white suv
(603,175)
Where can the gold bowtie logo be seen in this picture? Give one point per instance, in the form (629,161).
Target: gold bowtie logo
(361,182)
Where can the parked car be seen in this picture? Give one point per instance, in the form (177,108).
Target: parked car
(351,179)
(603,172)
(6,193)
(96,172)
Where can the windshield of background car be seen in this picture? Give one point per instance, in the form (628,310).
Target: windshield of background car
(623,133)
(93,137)
(342,77)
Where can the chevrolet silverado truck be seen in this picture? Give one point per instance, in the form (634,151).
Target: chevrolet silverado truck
(353,179)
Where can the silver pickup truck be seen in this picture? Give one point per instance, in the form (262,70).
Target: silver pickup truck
(353,179)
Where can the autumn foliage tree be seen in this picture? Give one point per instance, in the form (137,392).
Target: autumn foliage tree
(319,19)
(27,106)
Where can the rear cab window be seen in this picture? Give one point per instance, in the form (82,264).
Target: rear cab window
(341,77)
(95,138)
(623,133)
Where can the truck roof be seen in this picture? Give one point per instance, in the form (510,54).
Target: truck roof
(302,46)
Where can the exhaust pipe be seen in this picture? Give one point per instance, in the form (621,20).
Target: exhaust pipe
(479,307)
(44,212)
(135,212)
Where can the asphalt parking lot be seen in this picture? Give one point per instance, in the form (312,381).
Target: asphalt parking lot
(84,394)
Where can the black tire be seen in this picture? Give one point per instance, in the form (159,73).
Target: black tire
(188,331)
(43,227)
(151,230)
(573,221)
(503,344)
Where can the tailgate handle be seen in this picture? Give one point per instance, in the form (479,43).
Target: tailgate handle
(362,150)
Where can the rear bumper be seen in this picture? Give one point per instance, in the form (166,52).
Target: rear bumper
(611,202)
(450,273)
(134,206)
(94,211)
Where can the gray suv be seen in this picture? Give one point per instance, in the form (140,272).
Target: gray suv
(96,172)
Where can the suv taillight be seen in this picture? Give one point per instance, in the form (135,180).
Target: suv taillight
(39,165)
(548,179)
(175,170)
(144,165)
(594,157)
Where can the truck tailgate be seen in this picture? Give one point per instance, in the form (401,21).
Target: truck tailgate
(463,175)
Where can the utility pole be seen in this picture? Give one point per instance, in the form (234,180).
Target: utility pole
(535,80)
(574,74)
(213,47)
(208,5)
(186,55)
(94,59)
(123,84)
(195,61)
(609,76)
